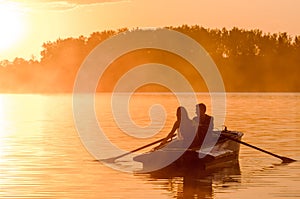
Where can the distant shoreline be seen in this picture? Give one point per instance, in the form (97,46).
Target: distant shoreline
(247,60)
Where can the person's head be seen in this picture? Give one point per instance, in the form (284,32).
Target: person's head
(181,113)
(200,109)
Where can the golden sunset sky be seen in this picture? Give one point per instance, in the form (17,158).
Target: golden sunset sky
(26,25)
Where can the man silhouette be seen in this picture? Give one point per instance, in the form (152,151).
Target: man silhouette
(204,124)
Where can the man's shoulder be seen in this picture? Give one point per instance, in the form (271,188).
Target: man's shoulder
(208,116)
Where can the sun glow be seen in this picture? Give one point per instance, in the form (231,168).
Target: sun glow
(11,24)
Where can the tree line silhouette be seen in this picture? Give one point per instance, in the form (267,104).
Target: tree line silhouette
(248,60)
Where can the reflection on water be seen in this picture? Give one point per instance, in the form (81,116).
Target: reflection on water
(41,155)
(198,183)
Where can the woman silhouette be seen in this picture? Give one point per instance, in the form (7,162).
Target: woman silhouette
(185,129)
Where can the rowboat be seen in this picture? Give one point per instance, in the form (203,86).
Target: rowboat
(218,151)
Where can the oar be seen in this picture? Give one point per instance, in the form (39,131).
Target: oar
(284,159)
(111,160)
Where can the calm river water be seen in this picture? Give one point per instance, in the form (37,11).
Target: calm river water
(42,155)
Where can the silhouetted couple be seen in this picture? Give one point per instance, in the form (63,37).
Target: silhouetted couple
(191,133)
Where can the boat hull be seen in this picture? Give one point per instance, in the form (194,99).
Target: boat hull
(223,152)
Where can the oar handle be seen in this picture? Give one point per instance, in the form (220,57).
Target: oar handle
(244,143)
(284,159)
(140,148)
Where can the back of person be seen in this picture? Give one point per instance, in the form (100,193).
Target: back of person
(204,125)
(186,132)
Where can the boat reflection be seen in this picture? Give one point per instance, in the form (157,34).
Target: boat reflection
(197,183)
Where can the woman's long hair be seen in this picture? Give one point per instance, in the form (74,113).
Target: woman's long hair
(186,126)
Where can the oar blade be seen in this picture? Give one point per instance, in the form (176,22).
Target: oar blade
(287,160)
